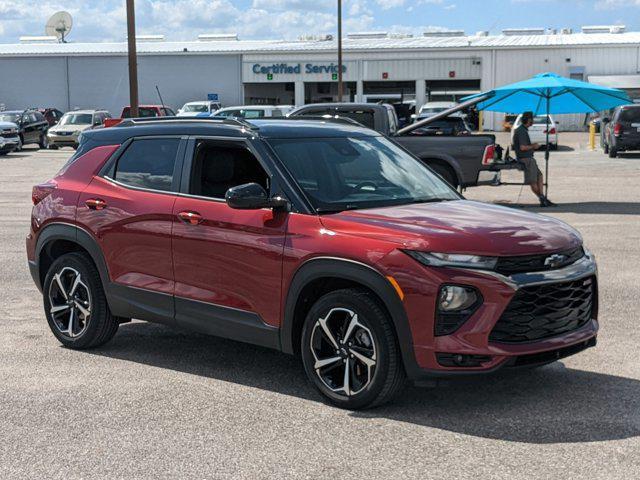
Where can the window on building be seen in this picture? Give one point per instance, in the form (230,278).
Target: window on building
(149,163)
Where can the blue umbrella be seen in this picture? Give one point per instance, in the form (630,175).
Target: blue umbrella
(549,93)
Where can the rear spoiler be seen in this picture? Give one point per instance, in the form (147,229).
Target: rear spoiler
(444,114)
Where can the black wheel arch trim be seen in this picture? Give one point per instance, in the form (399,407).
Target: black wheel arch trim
(76,234)
(358,272)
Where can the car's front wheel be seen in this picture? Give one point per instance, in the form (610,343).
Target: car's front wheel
(349,350)
(44,141)
(75,303)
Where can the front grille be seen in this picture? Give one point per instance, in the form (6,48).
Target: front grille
(8,134)
(536,263)
(543,311)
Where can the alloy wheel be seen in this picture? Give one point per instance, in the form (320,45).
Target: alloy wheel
(69,302)
(344,352)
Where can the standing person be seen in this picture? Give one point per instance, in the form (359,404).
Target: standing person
(524,149)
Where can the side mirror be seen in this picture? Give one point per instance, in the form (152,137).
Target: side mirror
(252,196)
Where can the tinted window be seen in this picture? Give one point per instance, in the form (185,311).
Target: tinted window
(277,113)
(630,114)
(363,117)
(149,163)
(218,166)
(251,113)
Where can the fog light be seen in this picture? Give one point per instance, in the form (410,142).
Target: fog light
(453,297)
(455,306)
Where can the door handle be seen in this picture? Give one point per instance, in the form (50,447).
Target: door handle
(95,204)
(192,218)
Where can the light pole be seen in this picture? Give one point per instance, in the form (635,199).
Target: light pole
(340,85)
(133,58)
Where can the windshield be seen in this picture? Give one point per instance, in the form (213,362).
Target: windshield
(432,110)
(195,108)
(143,112)
(76,119)
(10,117)
(351,173)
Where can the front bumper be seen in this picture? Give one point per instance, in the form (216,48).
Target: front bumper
(63,140)
(9,144)
(473,337)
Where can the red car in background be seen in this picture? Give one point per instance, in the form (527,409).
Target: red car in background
(328,241)
(144,111)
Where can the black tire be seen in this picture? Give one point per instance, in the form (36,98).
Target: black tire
(446,174)
(101,325)
(44,141)
(613,153)
(20,144)
(53,147)
(387,377)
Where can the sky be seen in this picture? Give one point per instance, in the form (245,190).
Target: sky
(104,20)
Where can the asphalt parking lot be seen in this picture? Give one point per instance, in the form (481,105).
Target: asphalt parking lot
(159,403)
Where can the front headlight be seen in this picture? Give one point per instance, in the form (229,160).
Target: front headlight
(435,259)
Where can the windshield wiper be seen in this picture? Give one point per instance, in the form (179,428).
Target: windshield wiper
(431,200)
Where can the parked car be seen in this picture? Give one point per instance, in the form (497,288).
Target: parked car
(52,115)
(67,132)
(324,240)
(621,132)
(192,109)
(32,126)
(463,161)
(144,111)
(538,131)
(253,111)
(451,126)
(431,108)
(9,139)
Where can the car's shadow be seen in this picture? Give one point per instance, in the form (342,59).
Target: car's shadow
(592,208)
(553,404)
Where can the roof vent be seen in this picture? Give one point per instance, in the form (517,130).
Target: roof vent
(315,38)
(444,33)
(482,33)
(589,29)
(523,31)
(366,35)
(400,35)
(217,37)
(39,39)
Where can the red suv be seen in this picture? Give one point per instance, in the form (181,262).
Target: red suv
(324,240)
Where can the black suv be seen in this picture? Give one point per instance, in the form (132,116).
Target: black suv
(622,132)
(32,126)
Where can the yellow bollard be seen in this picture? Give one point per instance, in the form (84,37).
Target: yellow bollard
(480,121)
(592,136)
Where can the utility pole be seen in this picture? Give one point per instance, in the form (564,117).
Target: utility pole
(133,58)
(340,85)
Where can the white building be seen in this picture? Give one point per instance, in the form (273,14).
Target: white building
(436,66)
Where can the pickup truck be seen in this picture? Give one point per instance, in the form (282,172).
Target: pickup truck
(463,161)
(144,111)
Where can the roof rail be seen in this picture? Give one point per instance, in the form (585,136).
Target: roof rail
(238,122)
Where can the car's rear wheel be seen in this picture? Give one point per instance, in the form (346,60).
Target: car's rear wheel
(75,303)
(446,174)
(349,350)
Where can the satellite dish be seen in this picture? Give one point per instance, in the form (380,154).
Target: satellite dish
(59,25)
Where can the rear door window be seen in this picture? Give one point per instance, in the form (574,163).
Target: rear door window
(363,117)
(149,163)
